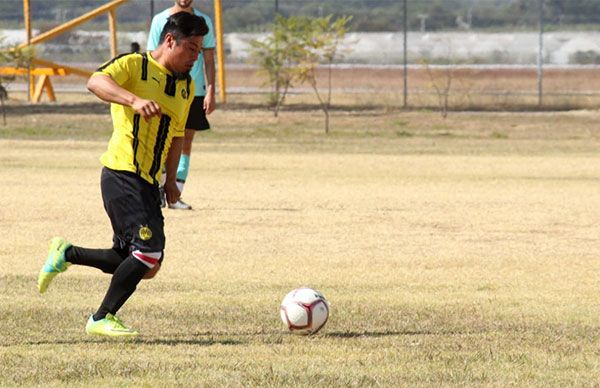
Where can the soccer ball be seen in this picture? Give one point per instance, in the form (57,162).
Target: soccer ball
(304,311)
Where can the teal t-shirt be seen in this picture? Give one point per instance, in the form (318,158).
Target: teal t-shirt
(158,22)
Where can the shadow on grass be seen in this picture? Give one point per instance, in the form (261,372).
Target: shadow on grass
(377,334)
(358,109)
(197,341)
(350,334)
(300,107)
(43,342)
(137,341)
(101,108)
(76,108)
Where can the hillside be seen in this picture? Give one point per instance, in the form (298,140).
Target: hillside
(368,15)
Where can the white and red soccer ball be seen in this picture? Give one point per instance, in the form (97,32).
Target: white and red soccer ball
(304,311)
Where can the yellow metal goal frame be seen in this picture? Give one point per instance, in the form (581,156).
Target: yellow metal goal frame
(44,68)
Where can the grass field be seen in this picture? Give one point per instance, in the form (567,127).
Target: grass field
(453,252)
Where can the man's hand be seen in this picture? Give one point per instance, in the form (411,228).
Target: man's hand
(209,103)
(172,192)
(146,108)
(209,77)
(108,90)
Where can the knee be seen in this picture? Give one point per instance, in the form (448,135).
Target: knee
(151,260)
(152,272)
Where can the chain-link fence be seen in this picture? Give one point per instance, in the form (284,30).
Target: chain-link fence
(465,53)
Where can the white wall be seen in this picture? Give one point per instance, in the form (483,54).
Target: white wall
(386,48)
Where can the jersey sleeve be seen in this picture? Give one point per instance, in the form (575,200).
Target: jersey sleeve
(181,130)
(209,39)
(121,68)
(154,34)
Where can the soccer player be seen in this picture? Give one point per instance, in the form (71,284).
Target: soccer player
(150,96)
(203,74)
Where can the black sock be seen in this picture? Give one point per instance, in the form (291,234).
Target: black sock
(106,260)
(123,284)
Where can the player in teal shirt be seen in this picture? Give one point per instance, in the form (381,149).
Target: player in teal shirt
(203,74)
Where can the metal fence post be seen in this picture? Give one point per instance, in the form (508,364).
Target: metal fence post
(405,37)
(540,59)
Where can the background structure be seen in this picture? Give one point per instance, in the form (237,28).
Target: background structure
(494,49)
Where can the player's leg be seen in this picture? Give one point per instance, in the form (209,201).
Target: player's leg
(153,271)
(133,206)
(183,169)
(196,121)
(106,260)
(123,284)
(61,254)
(55,263)
(161,187)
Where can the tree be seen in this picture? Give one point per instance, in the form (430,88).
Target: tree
(441,80)
(278,56)
(321,40)
(294,50)
(15,57)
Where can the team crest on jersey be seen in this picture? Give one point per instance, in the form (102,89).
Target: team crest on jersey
(145,233)
(184,94)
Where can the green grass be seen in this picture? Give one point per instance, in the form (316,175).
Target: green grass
(499,135)
(404,134)
(447,260)
(214,337)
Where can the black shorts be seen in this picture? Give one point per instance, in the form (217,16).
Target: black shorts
(133,206)
(197,117)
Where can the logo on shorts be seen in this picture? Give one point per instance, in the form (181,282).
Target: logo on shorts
(184,94)
(145,233)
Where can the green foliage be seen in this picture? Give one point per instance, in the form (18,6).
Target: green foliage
(248,17)
(372,15)
(13,56)
(10,56)
(294,49)
(322,37)
(589,57)
(279,56)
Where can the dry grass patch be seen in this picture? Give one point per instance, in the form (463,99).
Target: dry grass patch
(450,257)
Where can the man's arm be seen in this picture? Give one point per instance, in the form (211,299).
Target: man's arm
(171,164)
(209,77)
(108,90)
(154,35)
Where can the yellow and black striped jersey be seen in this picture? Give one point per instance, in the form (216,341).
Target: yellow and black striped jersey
(136,145)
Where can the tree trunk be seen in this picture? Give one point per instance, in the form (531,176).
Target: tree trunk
(280,99)
(445,108)
(3,110)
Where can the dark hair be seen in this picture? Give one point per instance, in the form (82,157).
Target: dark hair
(183,25)
(135,47)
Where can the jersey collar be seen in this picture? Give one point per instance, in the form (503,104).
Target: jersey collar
(151,59)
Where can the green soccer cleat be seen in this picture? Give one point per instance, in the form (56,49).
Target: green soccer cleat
(110,326)
(55,263)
